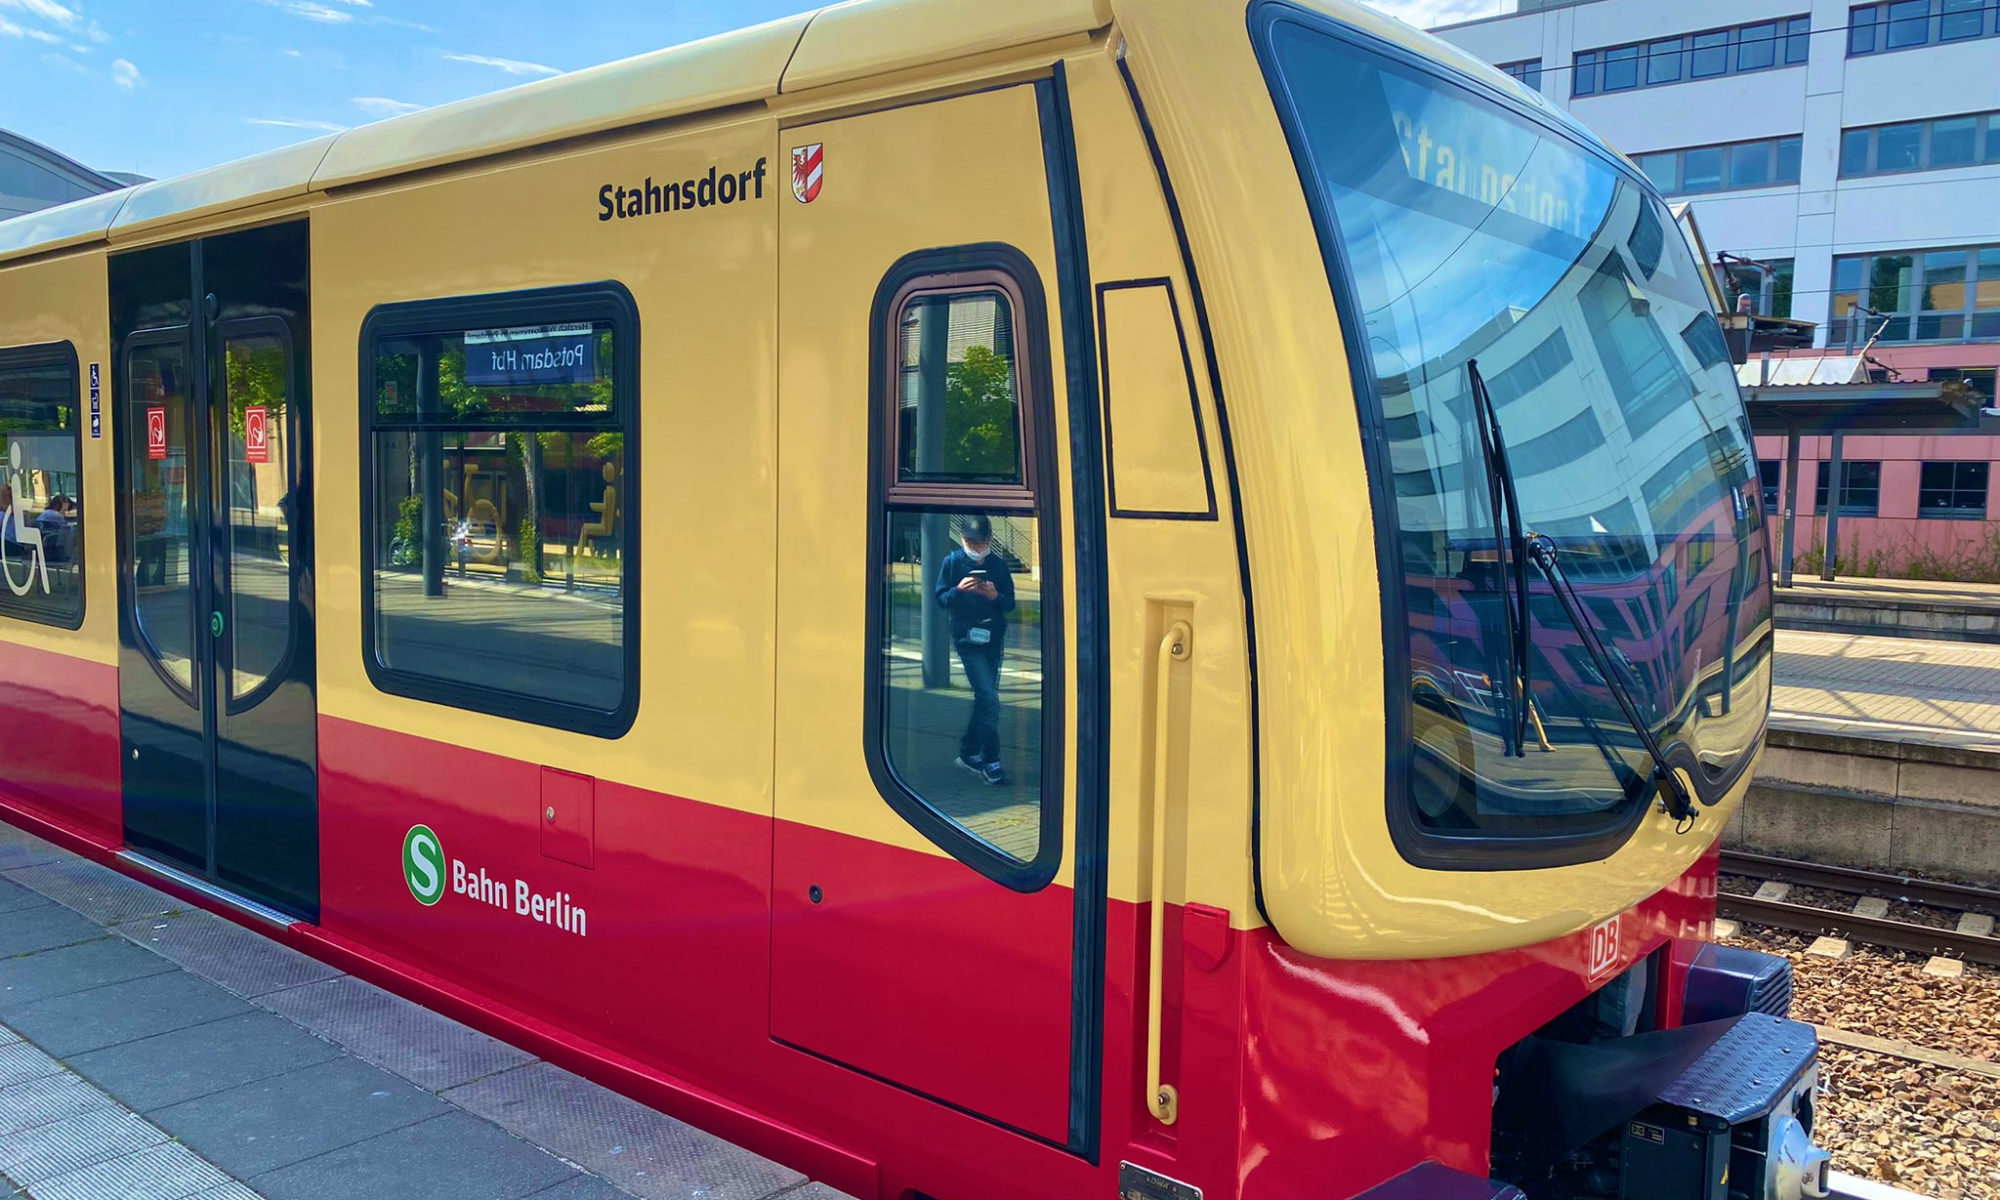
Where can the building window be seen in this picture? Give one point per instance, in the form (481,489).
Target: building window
(1771,475)
(501,504)
(41,486)
(1955,141)
(1528,71)
(1906,24)
(1860,488)
(1952,490)
(1769,283)
(1768,162)
(1757,47)
(963,727)
(1948,295)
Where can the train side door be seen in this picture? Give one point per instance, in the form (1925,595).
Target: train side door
(217,706)
(931,926)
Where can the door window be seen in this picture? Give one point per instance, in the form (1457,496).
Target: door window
(963,730)
(258,381)
(162,461)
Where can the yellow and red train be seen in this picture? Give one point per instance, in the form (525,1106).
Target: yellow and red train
(1072,598)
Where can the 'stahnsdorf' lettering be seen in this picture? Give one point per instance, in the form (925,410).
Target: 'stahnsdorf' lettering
(650,198)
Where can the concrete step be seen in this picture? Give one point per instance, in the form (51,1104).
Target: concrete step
(1893,613)
(1905,806)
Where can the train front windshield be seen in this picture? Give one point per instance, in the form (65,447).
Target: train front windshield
(1457,231)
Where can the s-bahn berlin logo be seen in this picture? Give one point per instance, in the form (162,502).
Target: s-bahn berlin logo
(429,874)
(423,865)
(808,171)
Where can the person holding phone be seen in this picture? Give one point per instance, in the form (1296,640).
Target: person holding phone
(976,588)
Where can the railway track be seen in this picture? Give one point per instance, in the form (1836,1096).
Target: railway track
(1966,942)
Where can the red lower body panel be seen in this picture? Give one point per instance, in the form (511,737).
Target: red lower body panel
(59,740)
(651,971)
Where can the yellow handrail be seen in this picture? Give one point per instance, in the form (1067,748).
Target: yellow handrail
(1161,1098)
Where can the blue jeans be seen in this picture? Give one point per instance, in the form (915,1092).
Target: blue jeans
(982,673)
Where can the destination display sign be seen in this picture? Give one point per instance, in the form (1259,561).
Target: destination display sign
(531,354)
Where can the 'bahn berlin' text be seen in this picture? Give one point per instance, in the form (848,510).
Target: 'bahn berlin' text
(649,198)
(554,910)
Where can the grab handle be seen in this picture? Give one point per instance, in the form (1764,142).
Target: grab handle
(1175,646)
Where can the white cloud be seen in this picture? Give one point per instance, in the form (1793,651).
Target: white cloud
(1429,14)
(97,33)
(359,3)
(124,74)
(10,29)
(382,106)
(295,54)
(308,9)
(513,66)
(47,10)
(66,62)
(316,126)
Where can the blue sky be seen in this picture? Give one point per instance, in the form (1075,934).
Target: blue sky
(161,87)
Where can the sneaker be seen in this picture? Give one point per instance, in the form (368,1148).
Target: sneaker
(972,763)
(994,773)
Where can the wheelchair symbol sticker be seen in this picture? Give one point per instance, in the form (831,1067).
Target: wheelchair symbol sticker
(156,433)
(22,539)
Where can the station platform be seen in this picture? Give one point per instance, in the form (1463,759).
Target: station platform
(1918,608)
(150,1051)
(1884,753)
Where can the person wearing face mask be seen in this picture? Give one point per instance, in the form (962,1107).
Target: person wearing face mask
(976,588)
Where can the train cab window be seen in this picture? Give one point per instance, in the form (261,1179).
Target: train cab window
(963,701)
(41,490)
(1460,230)
(501,504)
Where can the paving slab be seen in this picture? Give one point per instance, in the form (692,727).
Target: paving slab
(428,1049)
(638,1148)
(225,953)
(455,1156)
(14,897)
(100,893)
(168,1068)
(259,1127)
(44,927)
(122,1012)
(584,1187)
(27,978)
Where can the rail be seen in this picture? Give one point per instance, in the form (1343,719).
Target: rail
(1879,931)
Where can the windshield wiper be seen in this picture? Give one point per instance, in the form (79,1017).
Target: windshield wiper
(1505,506)
(1673,796)
(1522,547)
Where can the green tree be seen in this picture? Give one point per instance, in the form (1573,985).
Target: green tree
(980,411)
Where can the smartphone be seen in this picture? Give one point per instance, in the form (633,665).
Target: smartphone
(977,573)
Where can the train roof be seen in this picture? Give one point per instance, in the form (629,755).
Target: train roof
(813,49)
(820,48)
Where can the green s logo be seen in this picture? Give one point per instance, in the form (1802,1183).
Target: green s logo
(423,864)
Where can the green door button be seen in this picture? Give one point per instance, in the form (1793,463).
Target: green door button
(215,624)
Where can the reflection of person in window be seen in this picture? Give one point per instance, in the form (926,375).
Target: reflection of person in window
(55,523)
(975,587)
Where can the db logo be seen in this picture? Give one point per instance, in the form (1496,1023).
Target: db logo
(256,435)
(156,433)
(1603,947)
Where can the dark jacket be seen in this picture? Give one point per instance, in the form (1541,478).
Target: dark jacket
(969,609)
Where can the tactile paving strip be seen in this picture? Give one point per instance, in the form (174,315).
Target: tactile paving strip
(39,1101)
(637,1148)
(226,954)
(99,893)
(432,1051)
(21,849)
(169,1171)
(73,1143)
(20,1062)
